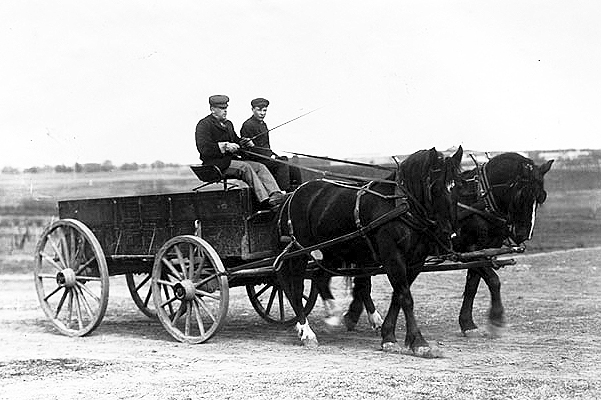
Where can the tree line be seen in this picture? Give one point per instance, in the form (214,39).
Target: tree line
(106,166)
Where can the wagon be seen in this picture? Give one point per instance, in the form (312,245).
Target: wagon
(181,253)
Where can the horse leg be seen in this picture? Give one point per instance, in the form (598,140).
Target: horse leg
(402,298)
(291,275)
(373,316)
(496,315)
(351,317)
(466,320)
(333,311)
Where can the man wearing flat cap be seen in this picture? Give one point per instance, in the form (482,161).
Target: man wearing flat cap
(218,145)
(256,130)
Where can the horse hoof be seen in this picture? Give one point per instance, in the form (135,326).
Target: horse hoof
(375,321)
(310,343)
(495,331)
(349,323)
(473,333)
(376,327)
(391,347)
(427,352)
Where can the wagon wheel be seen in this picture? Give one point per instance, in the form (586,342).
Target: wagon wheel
(269,301)
(71,277)
(140,288)
(190,289)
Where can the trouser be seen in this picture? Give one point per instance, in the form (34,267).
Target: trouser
(280,172)
(256,175)
(287,176)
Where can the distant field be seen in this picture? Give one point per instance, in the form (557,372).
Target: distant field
(571,217)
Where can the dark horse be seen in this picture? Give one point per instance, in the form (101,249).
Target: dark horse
(497,205)
(395,224)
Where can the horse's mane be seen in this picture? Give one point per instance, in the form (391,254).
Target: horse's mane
(416,168)
(412,172)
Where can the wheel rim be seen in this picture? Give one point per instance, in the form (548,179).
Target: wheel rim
(140,288)
(71,277)
(191,298)
(269,301)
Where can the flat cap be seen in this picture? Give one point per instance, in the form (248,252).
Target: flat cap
(259,102)
(218,100)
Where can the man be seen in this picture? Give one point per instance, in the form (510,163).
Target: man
(218,145)
(256,130)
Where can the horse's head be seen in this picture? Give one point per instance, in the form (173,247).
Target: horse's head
(518,189)
(429,177)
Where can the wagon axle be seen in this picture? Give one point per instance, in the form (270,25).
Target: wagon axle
(185,290)
(66,278)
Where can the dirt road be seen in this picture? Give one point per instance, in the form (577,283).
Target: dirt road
(551,349)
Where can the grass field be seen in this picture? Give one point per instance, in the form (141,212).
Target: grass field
(571,217)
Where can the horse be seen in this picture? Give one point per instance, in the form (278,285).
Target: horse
(394,223)
(497,203)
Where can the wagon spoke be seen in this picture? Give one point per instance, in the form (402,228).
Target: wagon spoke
(207,294)
(52,293)
(172,269)
(181,261)
(85,303)
(73,250)
(260,292)
(166,283)
(78,309)
(166,291)
(88,291)
(281,301)
(206,309)
(51,261)
(168,303)
(60,304)
(70,308)
(201,263)
(147,298)
(84,265)
(65,247)
(270,301)
(206,280)
(201,326)
(47,276)
(188,318)
(177,315)
(143,282)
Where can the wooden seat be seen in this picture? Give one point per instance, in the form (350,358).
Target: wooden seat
(210,174)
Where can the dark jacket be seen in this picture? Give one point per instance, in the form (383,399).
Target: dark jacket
(209,132)
(253,127)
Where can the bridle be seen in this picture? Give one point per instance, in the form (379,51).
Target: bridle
(492,212)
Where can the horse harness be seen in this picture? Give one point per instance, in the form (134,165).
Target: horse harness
(402,200)
(492,212)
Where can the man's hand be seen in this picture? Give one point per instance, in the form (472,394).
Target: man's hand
(246,142)
(231,147)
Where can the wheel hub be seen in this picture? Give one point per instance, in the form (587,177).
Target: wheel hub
(66,277)
(185,290)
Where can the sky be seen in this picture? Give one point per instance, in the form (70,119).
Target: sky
(127,81)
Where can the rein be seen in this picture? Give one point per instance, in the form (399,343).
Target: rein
(324,174)
(360,164)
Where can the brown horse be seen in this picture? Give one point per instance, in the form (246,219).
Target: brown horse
(400,223)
